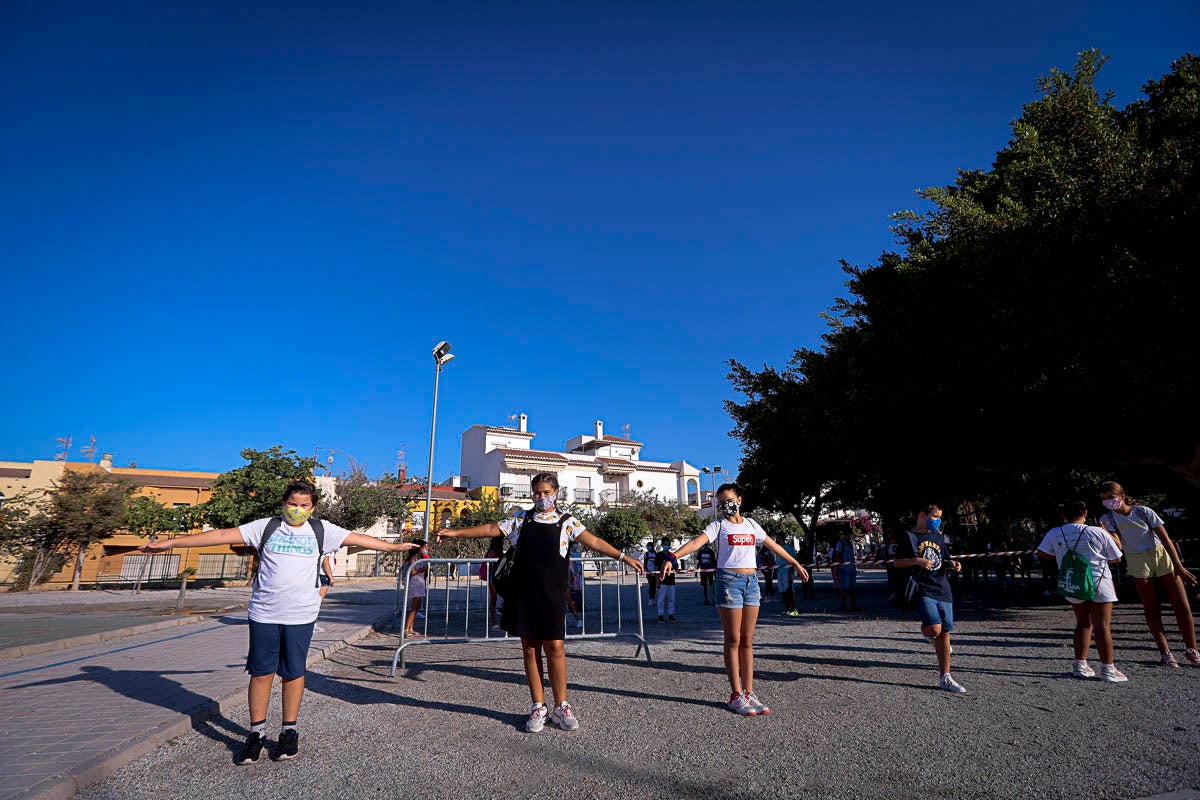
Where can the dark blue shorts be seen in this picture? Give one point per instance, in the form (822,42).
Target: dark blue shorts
(278,649)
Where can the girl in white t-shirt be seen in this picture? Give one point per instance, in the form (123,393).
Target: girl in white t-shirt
(415,576)
(737,591)
(1101,551)
(1151,557)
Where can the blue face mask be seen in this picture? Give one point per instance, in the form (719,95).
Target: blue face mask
(933,524)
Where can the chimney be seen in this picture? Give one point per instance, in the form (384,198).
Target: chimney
(599,430)
(523,424)
(106,461)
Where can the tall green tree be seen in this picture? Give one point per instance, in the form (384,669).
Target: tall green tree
(147,518)
(1029,323)
(86,508)
(255,489)
(622,527)
(28,535)
(360,502)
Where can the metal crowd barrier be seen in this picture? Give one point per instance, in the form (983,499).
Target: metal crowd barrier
(459,604)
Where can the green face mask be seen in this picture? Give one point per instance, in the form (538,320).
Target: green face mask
(296,515)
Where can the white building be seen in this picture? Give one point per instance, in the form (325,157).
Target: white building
(591,469)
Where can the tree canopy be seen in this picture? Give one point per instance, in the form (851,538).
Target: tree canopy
(255,490)
(1035,319)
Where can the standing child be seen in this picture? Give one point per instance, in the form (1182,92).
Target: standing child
(284,603)
(535,609)
(706,562)
(787,586)
(1099,549)
(415,573)
(651,571)
(843,551)
(923,549)
(738,596)
(666,581)
(1152,558)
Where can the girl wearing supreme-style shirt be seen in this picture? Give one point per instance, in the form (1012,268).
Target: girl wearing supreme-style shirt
(737,592)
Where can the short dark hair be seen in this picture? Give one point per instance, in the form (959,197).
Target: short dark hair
(730,487)
(544,477)
(299,487)
(1073,509)
(929,508)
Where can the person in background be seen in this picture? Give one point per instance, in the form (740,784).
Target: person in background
(786,577)
(843,551)
(415,579)
(651,572)
(706,562)
(1099,549)
(923,549)
(1152,559)
(666,582)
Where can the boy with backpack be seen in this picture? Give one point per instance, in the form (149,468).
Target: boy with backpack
(284,603)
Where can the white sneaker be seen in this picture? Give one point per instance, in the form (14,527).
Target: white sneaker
(756,704)
(1082,670)
(420,615)
(1110,674)
(564,717)
(951,685)
(537,718)
(579,624)
(738,704)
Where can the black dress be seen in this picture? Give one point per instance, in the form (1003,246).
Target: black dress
(537,607)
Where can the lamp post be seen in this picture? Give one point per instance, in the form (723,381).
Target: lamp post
(441,357)
(712,471)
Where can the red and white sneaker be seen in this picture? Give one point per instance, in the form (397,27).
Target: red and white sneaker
(758,707)
(1192,656)
(537,718)
(1167,659)
(1110,674)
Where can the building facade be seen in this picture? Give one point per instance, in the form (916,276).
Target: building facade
(593,469)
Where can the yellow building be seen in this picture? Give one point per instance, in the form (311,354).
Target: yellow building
(449,502)
(116,560)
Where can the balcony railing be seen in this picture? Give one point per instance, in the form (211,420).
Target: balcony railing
(584,496)
(515,491)
(614,496)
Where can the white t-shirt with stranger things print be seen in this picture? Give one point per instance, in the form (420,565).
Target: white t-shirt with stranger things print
(286,592)
(571,528)
(736,550)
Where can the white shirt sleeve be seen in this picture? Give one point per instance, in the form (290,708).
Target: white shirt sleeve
(1105,544)
(711,530)
(252,532)
(1148,516)
(335,536)
(511,527)
(573,527)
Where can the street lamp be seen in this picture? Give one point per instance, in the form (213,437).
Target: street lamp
(441,357)
(712,471)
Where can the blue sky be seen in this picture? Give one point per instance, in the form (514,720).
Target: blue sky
(226,227)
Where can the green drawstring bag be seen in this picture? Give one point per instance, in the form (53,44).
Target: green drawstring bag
(1075,573)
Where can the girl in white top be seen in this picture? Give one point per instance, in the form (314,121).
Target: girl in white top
(416,572)
(1100,550)
(737,591)
(1151,557)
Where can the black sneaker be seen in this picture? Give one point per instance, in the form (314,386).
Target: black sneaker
(252,751)
(289,745)
(672,618)
(660,618)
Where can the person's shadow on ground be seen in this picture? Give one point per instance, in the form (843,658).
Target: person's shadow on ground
(153,687)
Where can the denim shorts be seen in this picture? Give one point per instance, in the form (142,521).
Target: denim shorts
(936,612)
(737,590)
(278,649)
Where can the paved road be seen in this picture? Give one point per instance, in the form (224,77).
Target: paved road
(856,715)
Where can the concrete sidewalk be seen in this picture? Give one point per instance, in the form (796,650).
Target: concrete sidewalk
(71,717)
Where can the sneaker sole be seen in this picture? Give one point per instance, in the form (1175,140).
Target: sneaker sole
(1108,679)
(284,757)
(245,762)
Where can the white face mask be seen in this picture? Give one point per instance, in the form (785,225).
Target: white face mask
(544,503)
(1113,503)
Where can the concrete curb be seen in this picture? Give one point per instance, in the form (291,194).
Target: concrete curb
(99,767)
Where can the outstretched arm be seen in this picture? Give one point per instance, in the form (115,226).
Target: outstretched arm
(1169,546)
(206,539)
(371,543)
(775,548)
(593,542)
(485,531)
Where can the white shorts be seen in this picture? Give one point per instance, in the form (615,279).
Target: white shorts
(1105,592)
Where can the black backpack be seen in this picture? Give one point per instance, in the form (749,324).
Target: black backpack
(272,526)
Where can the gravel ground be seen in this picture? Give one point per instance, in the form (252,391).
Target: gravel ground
(856,715)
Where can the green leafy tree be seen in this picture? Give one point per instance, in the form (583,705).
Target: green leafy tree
(1029,324)
(148,518)
(488,510)
(622,527)
(86,508)
(255,490)
(360,502)
(28,535)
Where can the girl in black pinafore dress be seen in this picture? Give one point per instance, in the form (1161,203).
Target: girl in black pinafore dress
(535,609)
